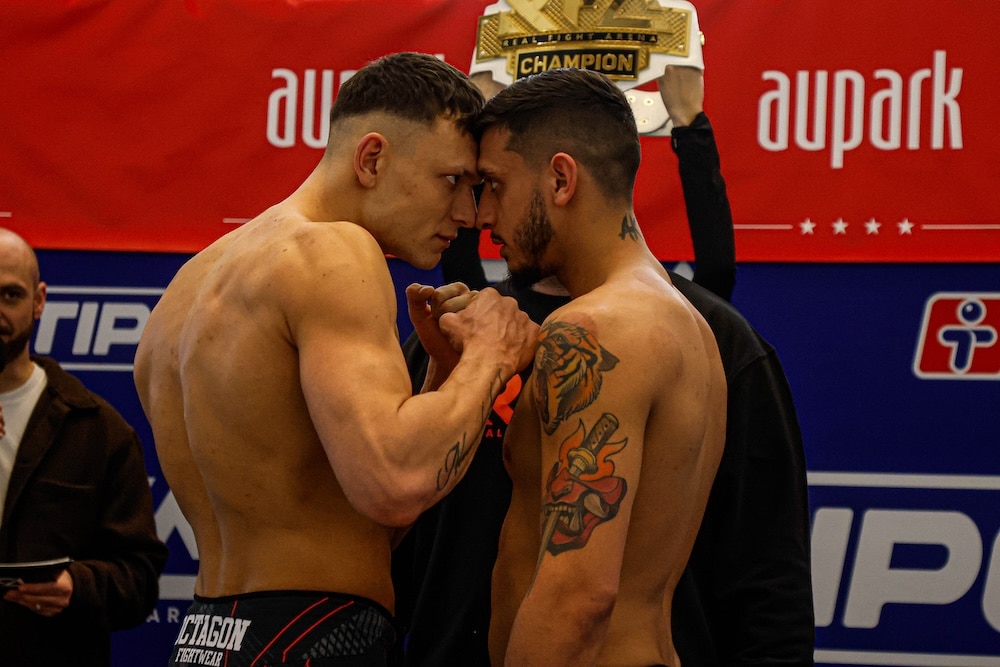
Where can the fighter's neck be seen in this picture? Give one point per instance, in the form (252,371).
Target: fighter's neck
(593,264)
(326,196)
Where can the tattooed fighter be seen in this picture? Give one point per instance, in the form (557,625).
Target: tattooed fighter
(614,443)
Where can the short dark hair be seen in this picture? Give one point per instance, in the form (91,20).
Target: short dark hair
(414,86)
(570,110)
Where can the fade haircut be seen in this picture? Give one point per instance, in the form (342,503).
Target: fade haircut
(576,111)
(414,86)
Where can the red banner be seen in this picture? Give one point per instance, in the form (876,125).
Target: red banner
(848,131)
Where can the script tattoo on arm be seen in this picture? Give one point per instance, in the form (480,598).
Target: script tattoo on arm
(458,454)
(581,489)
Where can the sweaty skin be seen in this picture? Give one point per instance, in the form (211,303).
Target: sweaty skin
(615,440)
(273,379)
(664,393)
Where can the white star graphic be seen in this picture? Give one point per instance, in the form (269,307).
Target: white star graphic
(807,226)
(905,227)
(871,227)
(839,226)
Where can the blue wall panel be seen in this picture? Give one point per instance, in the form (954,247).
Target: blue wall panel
(904,455)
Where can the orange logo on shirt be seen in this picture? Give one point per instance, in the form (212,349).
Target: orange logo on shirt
(504,405)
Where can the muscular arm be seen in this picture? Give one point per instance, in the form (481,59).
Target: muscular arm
(393,453)
(426,306)
(592,440)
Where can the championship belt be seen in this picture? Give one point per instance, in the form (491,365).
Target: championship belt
(630,41)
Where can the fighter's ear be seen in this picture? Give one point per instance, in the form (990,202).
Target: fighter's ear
(39,300)
(368,155)
(562,172)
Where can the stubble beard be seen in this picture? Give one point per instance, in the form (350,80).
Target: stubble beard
(13,348)
(532,239)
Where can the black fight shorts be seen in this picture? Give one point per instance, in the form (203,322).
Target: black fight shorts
(305,629)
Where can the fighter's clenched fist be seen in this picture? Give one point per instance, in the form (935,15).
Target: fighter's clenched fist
(453,320)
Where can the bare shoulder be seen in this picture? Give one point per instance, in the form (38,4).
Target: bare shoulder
(645,325)
(286,262)
(290,250)
(333,243)
(630,311)
(269,272)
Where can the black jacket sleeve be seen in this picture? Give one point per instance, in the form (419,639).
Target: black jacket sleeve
(709,216)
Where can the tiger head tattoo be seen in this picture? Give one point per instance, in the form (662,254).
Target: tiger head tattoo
(568,367)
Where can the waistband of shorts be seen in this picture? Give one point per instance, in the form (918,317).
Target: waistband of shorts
(259,595)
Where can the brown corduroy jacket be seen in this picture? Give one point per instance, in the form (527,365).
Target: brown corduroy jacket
(79,488)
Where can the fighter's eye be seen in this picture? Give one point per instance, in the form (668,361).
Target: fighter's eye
(452,178)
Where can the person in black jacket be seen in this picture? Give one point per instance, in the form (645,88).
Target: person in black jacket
(72,485)
(745,597)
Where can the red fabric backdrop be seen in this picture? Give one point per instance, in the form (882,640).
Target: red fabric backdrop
(148,125)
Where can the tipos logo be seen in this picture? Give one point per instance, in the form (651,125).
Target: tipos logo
(960,337)
(94,328)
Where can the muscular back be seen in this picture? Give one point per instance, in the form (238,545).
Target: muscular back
(219,374)
(630,373)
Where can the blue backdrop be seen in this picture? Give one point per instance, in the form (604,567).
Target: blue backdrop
(895,371)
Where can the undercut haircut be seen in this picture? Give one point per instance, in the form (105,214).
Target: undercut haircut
(575,111)
(413,86)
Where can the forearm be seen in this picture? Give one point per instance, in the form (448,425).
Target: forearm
(709,215)
(462,403)
(435,375)
(417,455)
(396,453)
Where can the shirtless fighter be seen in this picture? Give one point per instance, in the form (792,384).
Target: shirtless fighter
(272,376)
(615,440)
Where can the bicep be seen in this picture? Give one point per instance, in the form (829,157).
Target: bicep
(351,368)
(351,384)
(591,454)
